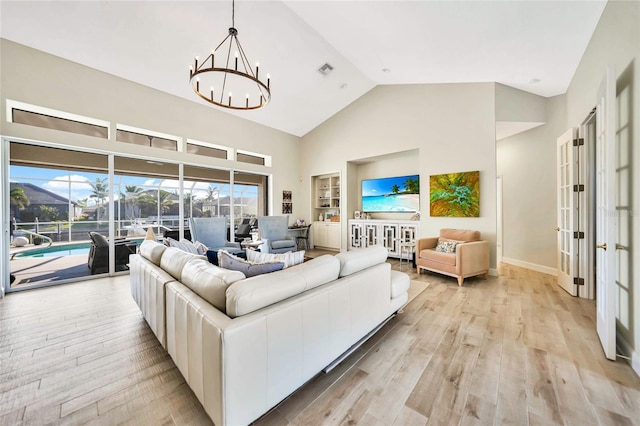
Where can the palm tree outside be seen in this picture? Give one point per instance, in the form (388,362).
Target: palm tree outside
(132,194)
(99,191)
(18,198)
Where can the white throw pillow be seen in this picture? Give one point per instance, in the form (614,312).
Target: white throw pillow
(289,258)
(202,249)
(184,245)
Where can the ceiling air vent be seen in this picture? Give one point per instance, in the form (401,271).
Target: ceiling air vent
(325,69)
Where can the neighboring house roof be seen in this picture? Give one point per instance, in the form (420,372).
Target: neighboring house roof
(39,196)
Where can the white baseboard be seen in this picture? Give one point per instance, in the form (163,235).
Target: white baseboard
(529,265)
(627,350)
(493,272)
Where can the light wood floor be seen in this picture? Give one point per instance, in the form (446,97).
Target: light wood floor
(509,350)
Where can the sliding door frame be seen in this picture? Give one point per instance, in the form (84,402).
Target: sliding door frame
(5,160)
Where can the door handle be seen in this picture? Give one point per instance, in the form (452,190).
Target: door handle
(602,246)
(557,228)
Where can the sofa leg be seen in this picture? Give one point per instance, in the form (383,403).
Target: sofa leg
(460,279)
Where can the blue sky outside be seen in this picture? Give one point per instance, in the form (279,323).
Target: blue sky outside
(57,181)
(377,187)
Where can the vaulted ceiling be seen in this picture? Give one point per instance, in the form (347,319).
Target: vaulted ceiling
(530,45)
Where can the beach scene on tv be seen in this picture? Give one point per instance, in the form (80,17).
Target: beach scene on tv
(393,194)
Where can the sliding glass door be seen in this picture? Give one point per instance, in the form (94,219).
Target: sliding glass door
(60,197)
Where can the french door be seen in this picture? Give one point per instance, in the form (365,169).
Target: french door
(606,214)
(567,259)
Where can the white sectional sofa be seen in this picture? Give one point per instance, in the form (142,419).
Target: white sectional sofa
(245,344)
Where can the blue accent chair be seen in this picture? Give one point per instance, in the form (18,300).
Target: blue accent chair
(274,235)
(211,231)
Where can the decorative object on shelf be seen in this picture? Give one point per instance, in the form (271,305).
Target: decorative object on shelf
(455,194)
(328,216)
(356,214)
(216,84)
(416,216)
(287,204)
(320,217)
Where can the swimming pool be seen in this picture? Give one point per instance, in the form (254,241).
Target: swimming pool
(55,251)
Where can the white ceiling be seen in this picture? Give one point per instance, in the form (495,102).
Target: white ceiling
(153,43)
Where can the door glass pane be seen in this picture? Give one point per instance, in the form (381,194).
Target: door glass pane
(55,202)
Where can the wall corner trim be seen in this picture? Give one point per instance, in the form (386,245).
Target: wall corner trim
(532,266)
(627,350)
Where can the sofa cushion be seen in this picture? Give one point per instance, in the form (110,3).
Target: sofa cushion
(356,260)
(228,261)
(279,244)
(439,257)
(152,251)
(209,281)
(289,258)
(173,260)
(399,283)
(460,234)
(254,293)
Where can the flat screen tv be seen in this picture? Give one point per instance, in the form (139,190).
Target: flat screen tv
(393,194)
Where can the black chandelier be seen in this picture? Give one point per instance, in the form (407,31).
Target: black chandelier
(217,84)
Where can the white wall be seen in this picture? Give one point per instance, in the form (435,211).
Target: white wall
(616,41)
(452,126)
(38,78)
(527,164)
(398,164)
(517,105)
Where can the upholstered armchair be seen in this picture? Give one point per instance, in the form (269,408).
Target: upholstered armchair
(211,231)
(243,231)
(468,255)
(274,234)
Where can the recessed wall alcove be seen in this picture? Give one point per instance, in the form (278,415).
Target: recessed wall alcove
(388,165)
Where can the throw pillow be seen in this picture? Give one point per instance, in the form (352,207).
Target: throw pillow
(289,258)
(182,245)
(228,261)
(202,249)
(150,234)
(446,246)
(189,246)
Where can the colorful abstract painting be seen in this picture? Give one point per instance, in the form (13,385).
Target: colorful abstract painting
(455,194)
